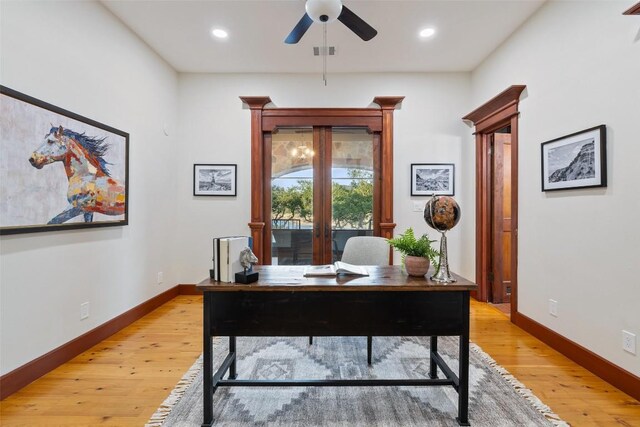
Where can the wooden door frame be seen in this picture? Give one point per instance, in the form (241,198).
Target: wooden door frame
(500,111)
(265,120)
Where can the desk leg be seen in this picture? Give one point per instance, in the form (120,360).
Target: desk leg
(232,349)
(433,367)
(207,363)
(369,346)
(463,391)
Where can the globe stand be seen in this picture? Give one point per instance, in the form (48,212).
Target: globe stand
(442,273)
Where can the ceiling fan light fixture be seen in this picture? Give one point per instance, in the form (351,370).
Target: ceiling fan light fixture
(427,32)
(323,10)
(219,33)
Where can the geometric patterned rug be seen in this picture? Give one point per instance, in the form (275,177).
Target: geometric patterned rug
(495,397)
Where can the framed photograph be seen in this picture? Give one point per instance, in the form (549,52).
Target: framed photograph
(59,170)
(578,160)
(428,179)
(214,180)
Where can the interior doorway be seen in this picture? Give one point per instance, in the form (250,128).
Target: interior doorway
(496,136)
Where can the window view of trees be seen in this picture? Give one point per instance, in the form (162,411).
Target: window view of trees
(294,202)
(352,202)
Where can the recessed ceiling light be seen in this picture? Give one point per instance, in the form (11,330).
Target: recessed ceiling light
(427,32)
(221,34)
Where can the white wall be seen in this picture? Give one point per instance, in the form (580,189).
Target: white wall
(78,56)
(579,60)
(581,64)
(215,128)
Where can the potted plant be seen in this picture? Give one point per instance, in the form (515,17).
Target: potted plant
(417,254)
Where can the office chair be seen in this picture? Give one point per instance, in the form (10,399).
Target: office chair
(365,250)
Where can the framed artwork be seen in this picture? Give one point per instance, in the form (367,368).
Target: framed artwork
(59,170)
(575,161)
(214,180)
(428,179)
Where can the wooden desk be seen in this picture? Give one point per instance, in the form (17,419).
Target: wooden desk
(385,303)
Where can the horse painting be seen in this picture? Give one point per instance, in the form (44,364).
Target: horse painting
(91,188)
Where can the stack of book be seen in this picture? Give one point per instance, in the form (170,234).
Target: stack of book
(226,256)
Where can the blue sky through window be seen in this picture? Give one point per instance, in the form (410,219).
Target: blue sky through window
(289,180)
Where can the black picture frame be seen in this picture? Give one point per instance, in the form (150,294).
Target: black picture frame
(36,196)
(206,175)
(577,160)
(429,179)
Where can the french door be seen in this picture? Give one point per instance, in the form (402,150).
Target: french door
(327,168)
(324,187)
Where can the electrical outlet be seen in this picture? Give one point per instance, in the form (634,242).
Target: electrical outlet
(418,206)
(160,277)
(84,310)
(628,342)
(553,307)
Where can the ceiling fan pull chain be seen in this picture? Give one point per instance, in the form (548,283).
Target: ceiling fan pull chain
(324,53)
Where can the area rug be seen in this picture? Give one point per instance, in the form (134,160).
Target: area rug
(495,397)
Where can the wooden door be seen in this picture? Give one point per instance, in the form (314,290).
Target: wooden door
(323,188)
(501,223)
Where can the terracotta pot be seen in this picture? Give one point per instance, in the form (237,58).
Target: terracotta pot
(416,265)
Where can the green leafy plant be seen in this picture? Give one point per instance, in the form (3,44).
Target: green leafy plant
(407,244)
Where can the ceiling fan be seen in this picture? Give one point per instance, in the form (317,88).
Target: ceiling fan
(325,11)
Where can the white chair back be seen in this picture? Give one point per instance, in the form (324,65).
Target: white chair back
(366,250)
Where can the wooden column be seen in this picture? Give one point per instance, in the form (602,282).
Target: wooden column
(388,104)
(256,104)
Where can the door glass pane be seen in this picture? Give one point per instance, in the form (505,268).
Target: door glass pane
(351,186)
(292,196)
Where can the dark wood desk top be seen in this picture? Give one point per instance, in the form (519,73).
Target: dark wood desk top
(290,278)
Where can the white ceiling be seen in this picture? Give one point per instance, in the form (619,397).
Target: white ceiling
(179,31)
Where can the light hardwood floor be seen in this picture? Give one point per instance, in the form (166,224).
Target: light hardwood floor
(122,381)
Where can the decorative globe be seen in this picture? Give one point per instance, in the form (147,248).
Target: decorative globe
(442,213)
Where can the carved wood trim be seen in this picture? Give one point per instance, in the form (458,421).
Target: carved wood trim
(272,123)
(388,102)
(502,110)
(265,121)
(633,10)
(257,231)
(377,184)
(514,213)
(386,231)
(256,102)
(496,106)
(322,112)
(483,210)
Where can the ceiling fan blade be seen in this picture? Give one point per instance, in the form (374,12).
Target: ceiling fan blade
(298,31)
(365,31)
